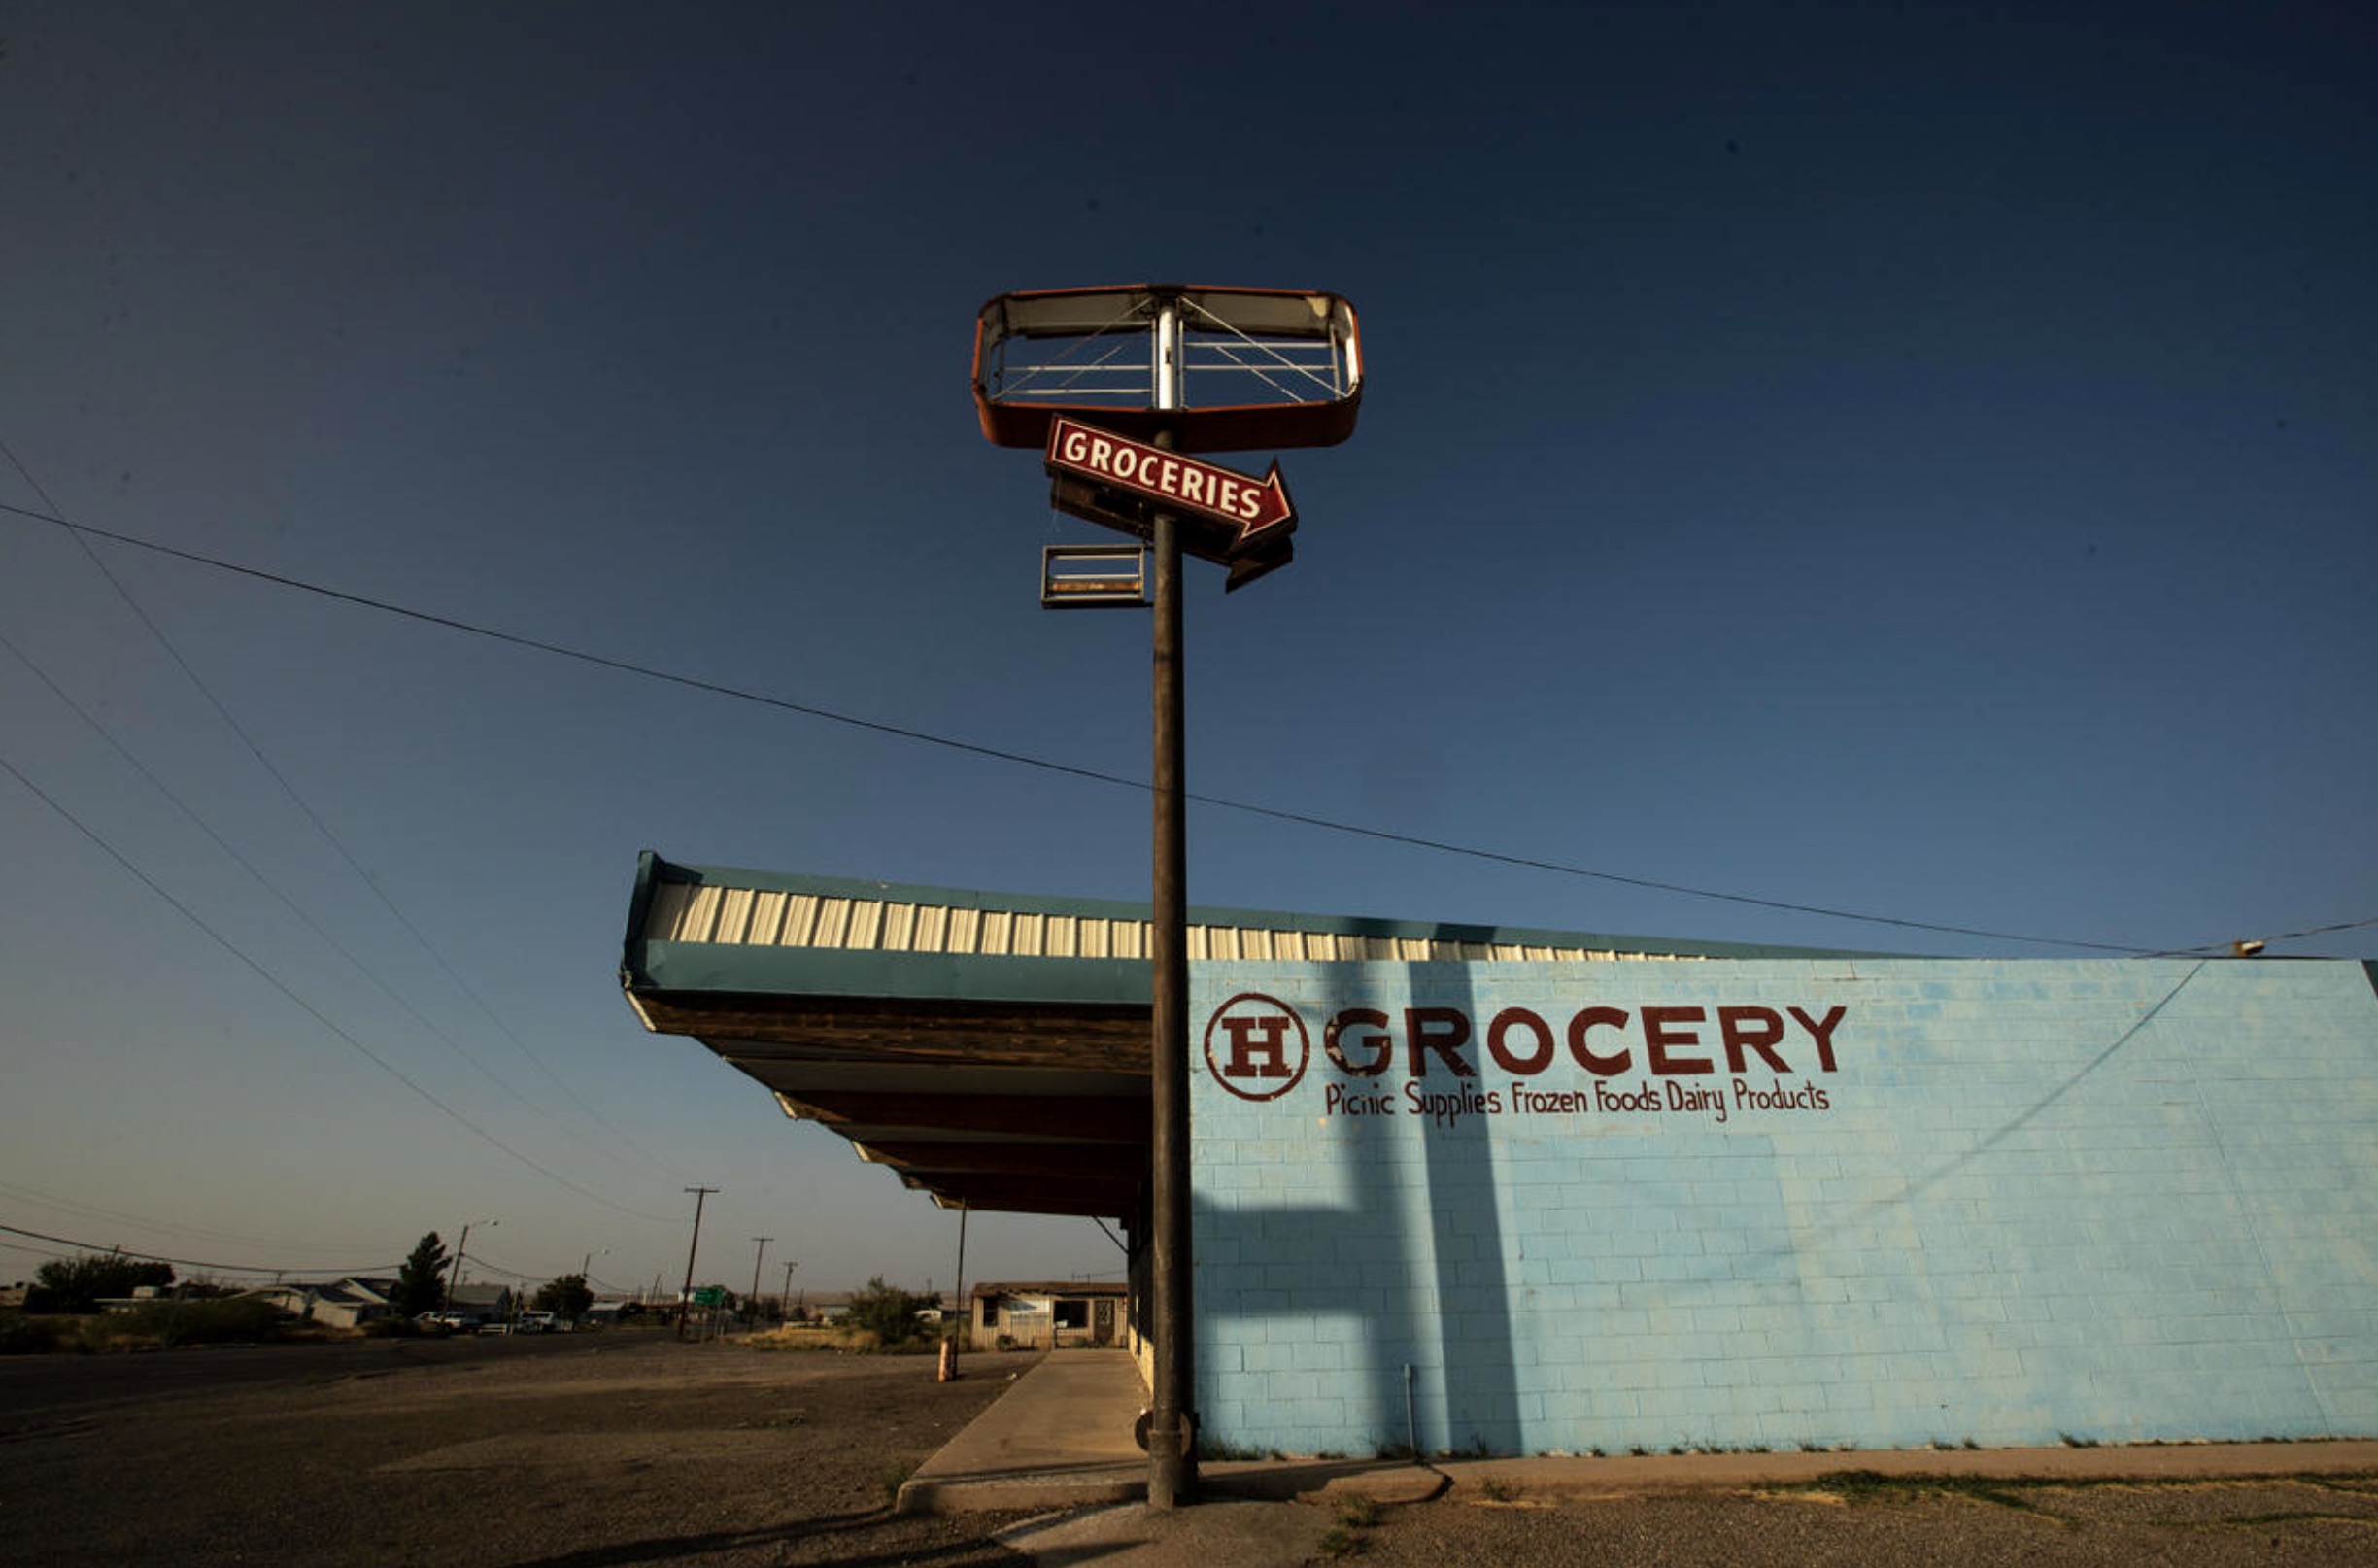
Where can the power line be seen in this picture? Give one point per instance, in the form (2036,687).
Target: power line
(86,1211)
(1089,774)
(287,903)
(2274,936)
(494,1268)
(337,845)
(311,1011)
(192,1263)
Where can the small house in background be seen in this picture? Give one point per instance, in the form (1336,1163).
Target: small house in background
(1047,1316)
(348,1303)
(489,1303)
(821,1307)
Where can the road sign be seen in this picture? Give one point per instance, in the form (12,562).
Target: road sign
(1082,575)
(710,1296)
(1253,508)
(1135,515)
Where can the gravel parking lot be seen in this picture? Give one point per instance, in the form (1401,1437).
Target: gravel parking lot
(1867,1521)
(614,1449)
(633,1449)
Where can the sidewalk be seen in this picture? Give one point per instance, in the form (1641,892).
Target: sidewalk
(1061,1439)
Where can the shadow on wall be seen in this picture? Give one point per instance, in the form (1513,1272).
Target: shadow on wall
(1411,1269)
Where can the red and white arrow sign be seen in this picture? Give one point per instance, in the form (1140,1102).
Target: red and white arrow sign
(1256,507)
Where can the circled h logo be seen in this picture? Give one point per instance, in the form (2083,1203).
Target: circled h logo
(1256,1046)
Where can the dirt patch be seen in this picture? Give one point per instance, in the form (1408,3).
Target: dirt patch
(628,1453)
(1867,1520)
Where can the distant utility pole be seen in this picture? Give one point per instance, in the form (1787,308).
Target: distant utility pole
(784,1302)
(751,1306)
(685,1298)
(454,1275)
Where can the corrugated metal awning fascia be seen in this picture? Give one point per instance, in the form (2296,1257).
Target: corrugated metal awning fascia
(719,927)
(683,967)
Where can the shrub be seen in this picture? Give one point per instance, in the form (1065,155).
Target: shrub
(77,1284)
(20,1335)
(888,1312)
(186,1322)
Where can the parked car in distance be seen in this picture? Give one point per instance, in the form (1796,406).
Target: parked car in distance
(533,1323)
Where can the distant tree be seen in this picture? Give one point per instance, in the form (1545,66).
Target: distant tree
(80,1284)
(421,1280)
(890,1312)
(565,1297)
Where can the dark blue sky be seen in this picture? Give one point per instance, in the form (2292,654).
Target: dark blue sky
(1903,459)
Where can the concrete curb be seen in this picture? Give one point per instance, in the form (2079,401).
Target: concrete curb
(1085,1486)
(1061,1439)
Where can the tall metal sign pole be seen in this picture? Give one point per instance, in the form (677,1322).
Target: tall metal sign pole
(1288,369)
(1171,1439)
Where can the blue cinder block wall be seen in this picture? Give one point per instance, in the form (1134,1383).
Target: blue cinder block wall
(2022,1201)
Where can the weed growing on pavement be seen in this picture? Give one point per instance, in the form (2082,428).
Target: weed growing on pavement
(890,1478)
(1210,1448)
(1495,1489)
(1357,1511)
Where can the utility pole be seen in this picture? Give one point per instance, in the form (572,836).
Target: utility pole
(685,1298)
(454,1272)
(784,1302)
(965,1311)
(752,1304)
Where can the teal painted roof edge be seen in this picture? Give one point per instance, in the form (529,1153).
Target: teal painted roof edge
(653,872)
(730,970)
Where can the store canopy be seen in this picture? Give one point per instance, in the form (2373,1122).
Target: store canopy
(992,1049)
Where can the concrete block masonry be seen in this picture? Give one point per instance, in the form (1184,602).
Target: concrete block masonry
(1790,1203)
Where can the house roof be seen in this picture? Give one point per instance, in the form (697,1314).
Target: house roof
(478,1295)
(991,1048)
(1050,1287)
